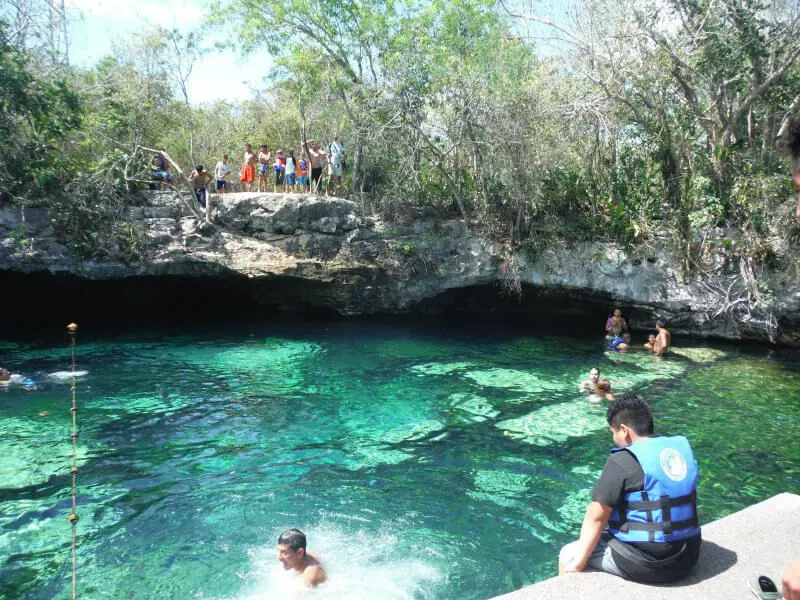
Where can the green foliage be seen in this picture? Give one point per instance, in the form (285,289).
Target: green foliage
(37,116)
(658,117)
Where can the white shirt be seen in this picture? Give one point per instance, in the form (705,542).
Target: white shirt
(289,165)
(221,170)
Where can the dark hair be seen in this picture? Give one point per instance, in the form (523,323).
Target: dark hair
(294,538)
(631,410)
(199,168)
(661,323)
(604,385)
(224,156)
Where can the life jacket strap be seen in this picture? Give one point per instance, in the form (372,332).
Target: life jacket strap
(659,504)
(667,527)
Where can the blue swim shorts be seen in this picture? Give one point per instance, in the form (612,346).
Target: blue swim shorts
(289,179)
(221,184)
(263,168)
(302,180)
(615,342)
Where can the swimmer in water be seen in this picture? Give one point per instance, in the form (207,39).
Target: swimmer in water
(663,338)
(293,555)
(651,342)
(590,385)
(603,390)
(8,379)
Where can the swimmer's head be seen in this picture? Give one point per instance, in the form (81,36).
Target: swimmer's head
(604,386)
(618,312)
(661,323)
(4,375)
(651,338)
(594,374)
(292,549)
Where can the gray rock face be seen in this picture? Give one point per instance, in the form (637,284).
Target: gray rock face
(361,265)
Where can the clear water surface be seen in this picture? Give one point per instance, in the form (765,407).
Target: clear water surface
(421,463)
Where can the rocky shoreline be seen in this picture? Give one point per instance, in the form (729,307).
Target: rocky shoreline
(292,248)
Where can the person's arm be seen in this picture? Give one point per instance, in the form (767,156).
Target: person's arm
(791,581)
(313,576)
(594,522)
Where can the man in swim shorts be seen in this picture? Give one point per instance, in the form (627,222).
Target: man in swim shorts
(642,521)
(293,555)
(620,343)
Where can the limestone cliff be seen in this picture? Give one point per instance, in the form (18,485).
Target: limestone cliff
(358,265)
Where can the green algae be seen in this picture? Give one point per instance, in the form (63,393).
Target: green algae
(554,423)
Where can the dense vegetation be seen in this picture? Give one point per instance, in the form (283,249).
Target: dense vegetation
(601,119)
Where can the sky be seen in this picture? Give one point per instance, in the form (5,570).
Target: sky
(95,26)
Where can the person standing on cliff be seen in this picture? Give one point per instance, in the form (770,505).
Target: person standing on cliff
(336,161)
(221,171)
(793,147)
(318,161)
(199,179)
(248,173)
(642,521)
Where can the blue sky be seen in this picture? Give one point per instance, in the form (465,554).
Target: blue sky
(95,26)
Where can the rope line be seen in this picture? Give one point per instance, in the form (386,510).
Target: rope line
(72,328)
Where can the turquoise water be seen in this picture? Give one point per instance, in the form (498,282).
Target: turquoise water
(420,463)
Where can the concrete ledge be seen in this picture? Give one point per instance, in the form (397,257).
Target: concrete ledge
(763,539)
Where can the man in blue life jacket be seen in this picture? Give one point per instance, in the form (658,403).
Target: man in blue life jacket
(642,521)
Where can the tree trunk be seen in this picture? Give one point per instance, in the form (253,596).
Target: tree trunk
(768,137)
(357,154)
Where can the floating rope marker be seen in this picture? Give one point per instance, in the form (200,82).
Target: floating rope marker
(72,328)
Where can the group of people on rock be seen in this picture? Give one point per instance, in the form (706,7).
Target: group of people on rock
(287,172)
(282,171)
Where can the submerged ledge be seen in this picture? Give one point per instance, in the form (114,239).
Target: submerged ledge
(762,539)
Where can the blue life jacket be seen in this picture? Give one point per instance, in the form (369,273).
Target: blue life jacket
(665,510)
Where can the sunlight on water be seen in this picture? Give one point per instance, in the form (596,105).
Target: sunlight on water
(407,458)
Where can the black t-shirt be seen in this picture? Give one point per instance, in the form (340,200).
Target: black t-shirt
(622,474)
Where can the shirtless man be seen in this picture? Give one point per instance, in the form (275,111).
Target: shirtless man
(663,338)
(318,160)
(293,555)
(589,385)
(5,376)
(617,324)
(792,136)
(651,343)
(200,178)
